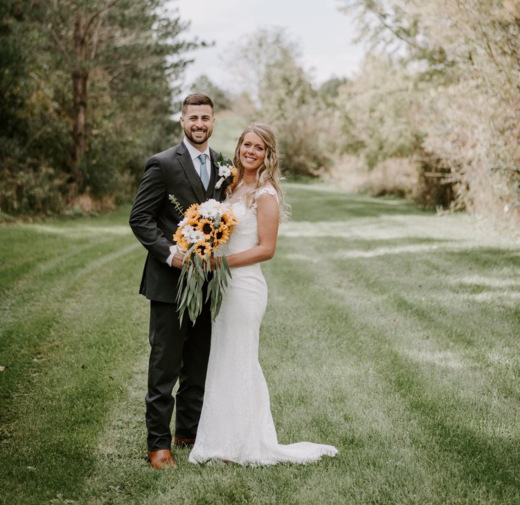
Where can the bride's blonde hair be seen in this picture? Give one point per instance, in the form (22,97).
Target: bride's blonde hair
(269,172)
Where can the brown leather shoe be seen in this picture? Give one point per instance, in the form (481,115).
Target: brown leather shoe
(161,458)
(183,442)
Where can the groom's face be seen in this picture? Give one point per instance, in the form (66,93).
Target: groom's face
(197,122)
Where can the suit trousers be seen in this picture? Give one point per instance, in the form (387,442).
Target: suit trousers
(177,353)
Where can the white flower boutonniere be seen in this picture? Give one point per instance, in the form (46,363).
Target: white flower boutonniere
(226,171)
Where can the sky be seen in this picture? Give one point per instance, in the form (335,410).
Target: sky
(323,34)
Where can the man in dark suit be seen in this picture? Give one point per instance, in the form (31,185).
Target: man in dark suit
(185,174)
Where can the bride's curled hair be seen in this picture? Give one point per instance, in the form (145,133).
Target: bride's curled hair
(269,172)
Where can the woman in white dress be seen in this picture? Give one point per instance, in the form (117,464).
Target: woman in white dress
(236,422)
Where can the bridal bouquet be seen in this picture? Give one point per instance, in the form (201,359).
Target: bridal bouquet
(205,227)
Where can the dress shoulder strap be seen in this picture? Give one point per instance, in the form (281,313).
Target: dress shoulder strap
(269,189)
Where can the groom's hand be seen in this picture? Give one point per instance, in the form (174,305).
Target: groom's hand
(177,260)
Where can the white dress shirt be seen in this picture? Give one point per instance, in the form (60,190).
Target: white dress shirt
(194,154)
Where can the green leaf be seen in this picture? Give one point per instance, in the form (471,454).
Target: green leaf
(226,265)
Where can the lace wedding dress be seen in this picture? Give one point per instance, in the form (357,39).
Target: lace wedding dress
(236,422)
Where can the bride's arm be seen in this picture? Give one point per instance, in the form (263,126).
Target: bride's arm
(267,215)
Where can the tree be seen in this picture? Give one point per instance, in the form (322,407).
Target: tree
(249,58)
(396,28)
(220,98)
(329,90)
(285,99)
(87,92)
(117,40)
(465,56)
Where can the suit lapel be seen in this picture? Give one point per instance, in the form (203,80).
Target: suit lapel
(184,158)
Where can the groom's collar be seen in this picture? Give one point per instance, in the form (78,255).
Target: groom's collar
(195,153)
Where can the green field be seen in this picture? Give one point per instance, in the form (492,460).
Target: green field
(391,333)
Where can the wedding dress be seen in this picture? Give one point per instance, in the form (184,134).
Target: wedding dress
(236,422)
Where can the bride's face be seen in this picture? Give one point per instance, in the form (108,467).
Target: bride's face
(252,152)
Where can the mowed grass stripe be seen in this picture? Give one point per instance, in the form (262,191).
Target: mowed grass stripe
(30,250)
(496,463)
(369,302)
(378,338)
(347,399)
(56,406)
(34,308)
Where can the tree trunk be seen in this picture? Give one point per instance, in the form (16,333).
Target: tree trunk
(79,110)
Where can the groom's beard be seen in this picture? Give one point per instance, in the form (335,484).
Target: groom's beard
(202,139)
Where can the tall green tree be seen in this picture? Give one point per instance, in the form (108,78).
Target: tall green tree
(220,97)
(13,69)
(91,92)
(130,47)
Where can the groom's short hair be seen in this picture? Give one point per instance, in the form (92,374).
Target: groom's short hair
(196,99)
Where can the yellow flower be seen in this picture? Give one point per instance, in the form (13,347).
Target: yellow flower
(178,234)
(180,240)
(228,219)
(183,245)
(202,249)
(192,214)
(221,235)
(206,227)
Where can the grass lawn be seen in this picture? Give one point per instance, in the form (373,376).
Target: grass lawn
(391,333)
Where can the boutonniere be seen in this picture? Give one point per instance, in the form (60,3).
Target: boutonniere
(226,171)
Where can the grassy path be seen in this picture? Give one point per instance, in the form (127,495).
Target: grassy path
(391,333)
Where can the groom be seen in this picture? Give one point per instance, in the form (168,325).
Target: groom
(186,174)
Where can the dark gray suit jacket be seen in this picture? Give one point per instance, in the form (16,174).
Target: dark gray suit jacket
(154,218)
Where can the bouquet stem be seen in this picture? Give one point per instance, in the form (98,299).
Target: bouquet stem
(194,274)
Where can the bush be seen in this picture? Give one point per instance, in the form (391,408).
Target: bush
(449,95)
(32,190)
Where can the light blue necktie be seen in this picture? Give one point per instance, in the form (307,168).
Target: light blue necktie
(204,177)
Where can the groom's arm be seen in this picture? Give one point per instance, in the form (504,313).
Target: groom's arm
(147,205)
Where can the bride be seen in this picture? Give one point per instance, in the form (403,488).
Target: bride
(236,422)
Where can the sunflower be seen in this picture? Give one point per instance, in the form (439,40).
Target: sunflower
(205,226)
(228,219)
(202,249)
(180,240)
(221,235)
(192,214)
(177,235)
